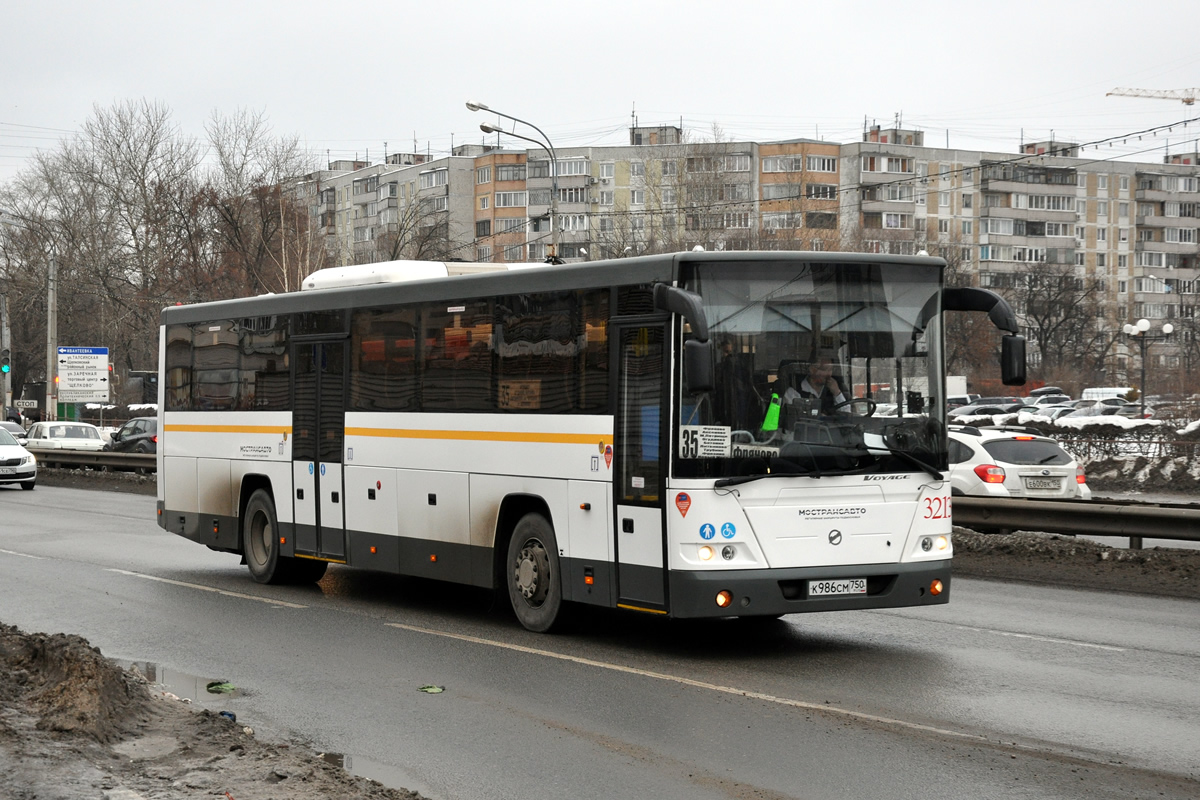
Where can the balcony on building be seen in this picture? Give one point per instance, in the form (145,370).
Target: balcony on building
(1026,179)
(1170,248)
(328,221)
(897,198)
(1163,187)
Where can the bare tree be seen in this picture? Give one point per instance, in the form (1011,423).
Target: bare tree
(1062,313)
(417,234)
(265,234)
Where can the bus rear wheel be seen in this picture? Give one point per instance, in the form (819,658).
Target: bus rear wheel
(260,544)
(532,574)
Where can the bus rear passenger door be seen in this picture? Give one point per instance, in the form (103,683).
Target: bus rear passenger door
(318,426)
(639,479)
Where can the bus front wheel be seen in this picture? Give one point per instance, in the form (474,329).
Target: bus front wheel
(534,581)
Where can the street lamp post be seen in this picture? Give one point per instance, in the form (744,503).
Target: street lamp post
(546,145)
(1139,330)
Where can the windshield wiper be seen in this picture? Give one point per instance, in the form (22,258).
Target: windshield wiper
(907,458)
(721,482)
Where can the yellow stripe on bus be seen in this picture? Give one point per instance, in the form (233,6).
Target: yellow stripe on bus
(483,436)
(414,433)
(229,428)
(640,608)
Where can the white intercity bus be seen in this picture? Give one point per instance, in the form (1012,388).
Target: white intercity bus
(632,433)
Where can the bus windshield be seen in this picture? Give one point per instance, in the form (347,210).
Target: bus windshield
(821,369)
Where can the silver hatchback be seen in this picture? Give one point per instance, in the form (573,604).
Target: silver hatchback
(1009,461)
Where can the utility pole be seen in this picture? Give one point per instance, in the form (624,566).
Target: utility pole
(6,346)
(51,411)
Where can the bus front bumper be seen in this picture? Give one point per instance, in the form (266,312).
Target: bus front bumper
(772,592)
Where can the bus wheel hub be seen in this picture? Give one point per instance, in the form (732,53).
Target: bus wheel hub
(532,568)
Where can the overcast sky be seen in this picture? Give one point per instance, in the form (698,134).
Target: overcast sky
(346,78)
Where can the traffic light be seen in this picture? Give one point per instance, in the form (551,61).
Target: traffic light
(5,361)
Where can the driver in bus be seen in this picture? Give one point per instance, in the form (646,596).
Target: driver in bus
(818,386)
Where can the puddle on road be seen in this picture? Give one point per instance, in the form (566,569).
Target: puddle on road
(181,684)
(195,689)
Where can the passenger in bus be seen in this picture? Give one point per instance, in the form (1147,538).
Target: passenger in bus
(736,402)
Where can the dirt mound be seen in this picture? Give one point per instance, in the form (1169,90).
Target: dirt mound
(1079,563)
(74,724)
(70,685)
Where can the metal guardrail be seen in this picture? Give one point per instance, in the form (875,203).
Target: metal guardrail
(1094,518)
(145,462)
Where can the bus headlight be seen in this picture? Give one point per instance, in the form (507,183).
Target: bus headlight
(728,552)
(706,553)
(935,543)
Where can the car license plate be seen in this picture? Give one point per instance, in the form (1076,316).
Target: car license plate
(839,586)
(7,471)
(1043,483)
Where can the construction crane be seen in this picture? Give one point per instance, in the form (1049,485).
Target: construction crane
(1185,96)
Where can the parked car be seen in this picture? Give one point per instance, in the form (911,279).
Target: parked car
(1102,392)
(1134,411)
(1010,461)
(1045,390)
(1047,399)
(139,435)
(17,431)
(17,465)
(982,408)
(1097,410)
(65,436)
(956,400)
(1054,412)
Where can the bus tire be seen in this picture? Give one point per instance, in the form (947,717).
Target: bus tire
(260,544)
(532,574)
(260,538)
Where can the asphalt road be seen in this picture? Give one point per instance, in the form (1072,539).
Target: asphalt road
(1009,691)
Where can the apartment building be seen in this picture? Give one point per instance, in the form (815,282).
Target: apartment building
(998,217)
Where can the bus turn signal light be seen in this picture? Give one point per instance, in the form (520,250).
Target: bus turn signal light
(935,588)
(724,599)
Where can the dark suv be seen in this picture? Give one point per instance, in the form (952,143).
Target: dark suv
(139,435)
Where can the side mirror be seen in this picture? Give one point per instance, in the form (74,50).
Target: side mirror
(698,373)
(1012,360)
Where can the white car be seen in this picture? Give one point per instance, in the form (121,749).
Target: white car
(65,436)
(17,465)
(17,431)
(1010,461)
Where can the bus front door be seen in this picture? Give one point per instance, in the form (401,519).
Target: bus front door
(318,430)
(639,481)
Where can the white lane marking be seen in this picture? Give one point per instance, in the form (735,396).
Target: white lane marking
(22,555)
(239,595)
(1049,639)
(712,687)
